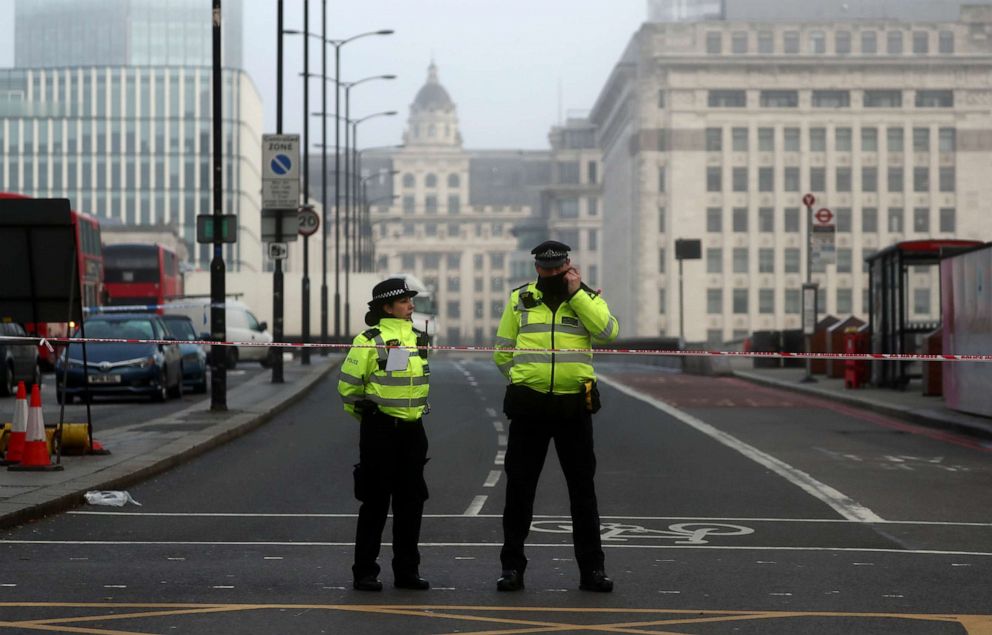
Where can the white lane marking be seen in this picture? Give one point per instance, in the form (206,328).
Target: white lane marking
(272,558)
(893,595)
(560,545)
(476,506)
(464,557)
(501,440)
(222,586)
(492,479)
(939,523)
(115,586)
(8,585)
(844,505)
(670,592)
(498,425)
(500,457)
(491,412)
(787,595)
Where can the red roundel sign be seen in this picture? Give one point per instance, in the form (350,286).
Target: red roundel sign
(823,216)
(809,200)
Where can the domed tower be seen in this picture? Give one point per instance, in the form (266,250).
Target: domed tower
(433,120)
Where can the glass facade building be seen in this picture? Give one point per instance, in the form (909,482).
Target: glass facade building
(124,129)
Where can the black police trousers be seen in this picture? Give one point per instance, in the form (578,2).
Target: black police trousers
(392,454)
(570,426)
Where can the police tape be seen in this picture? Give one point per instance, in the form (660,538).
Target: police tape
(906,357)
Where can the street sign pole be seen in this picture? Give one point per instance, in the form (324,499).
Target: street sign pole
(809,200)
(218,291)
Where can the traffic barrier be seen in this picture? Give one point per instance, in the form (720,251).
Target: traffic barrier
(36,457)
(18,428)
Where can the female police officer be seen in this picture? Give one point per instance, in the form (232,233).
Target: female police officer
(384,384)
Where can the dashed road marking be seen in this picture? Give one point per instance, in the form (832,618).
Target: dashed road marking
(476,506)
(492,479)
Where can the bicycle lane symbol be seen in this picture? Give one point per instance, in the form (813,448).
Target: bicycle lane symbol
(680,533)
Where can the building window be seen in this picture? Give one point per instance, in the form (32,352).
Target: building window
(843,139)
(845,298)
(791,260)
(766,301)
(921,179)
(661,261)
(779,99)
(661,219)
(409,262)
(831,99)
(740,179)
(792,301)
(432,261)
(791,179)
(568,208)
(869,179)
(766,42)
(947,224)
(895,180)
(479,307)
(945,44)
(738,42)
(842,42)
(592,206)
(895,220)
(843,219)
(454,310)
(727,99)
(843,260)
(817,139)
(740,260)
(921,140)
(592,240)
(430,204)
(921,301)
(894,140)
(766,260)
(766,179)
(714,42)
(869,139)
(791,139)
(453,181)
(409,180)
(817,42)
(740,219)
(496,261)
(869,43)
(818,179)
(714,260)
(790,42)
(921,42)
(714,301)
(661,301)
(883,99)
(454,260)
(430,180)
(714,139)
(946,140)
(661,179)
(740,301)
(865,267)
(568,172)
(714,179)
(869,220)
(893,42)
(454,204)
(661,99)
(843,177)
(591,172)
(792,220)
(408,205)
(935,99)
(947,179)
(714,220)
(766,139)
(739,136)
(921,219)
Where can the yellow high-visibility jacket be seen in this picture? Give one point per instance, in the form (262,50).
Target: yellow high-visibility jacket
(529,323)
(397,393)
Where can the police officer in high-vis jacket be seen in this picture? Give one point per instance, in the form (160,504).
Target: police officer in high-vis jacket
(552,395)
(384,384)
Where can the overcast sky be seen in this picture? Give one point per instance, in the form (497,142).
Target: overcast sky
(502,61)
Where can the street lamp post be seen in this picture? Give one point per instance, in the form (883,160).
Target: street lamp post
(363,210)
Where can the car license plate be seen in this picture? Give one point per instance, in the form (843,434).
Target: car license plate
(105,379)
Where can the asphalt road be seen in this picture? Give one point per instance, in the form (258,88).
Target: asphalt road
(726,507)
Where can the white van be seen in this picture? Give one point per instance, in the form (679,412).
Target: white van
(241,324)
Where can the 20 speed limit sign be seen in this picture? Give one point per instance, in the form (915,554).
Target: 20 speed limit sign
(309,221)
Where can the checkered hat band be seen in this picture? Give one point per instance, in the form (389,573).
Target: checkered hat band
(391,294)
(547,255)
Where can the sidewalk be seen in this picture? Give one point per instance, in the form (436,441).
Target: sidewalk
(144,449)
(909,405)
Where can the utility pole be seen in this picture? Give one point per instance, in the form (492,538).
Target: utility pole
(218,326)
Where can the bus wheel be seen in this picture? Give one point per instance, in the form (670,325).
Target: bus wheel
(231,359)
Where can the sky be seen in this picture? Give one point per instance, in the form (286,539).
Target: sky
(512,67)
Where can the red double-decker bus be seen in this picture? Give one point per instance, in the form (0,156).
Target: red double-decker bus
(141,275)
(86,231)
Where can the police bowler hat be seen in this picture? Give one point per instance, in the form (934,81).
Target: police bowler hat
(389,290)
(550,254)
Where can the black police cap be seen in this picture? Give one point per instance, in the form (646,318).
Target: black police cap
(551,254)
(389,290)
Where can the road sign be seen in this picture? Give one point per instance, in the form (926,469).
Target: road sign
(309,221)
(280,171)
(809,308)
(278,251)
(279,225)
(823,216)
(809,200)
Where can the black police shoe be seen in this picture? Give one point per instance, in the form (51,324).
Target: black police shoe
(510,580)
(596,581)
(414,582)
(368,583)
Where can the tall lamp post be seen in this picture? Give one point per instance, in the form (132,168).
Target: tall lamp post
(361,202)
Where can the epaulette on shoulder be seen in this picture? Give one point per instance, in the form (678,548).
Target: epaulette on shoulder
(371,334)
(418,331)
(592,293)
(521,287)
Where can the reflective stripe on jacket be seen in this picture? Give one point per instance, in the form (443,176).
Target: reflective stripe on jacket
(397,393)
(528,323)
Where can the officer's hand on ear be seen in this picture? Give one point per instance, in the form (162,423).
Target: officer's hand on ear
(573,280)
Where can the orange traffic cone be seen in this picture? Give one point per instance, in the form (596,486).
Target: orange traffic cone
(18,428)
(36,457)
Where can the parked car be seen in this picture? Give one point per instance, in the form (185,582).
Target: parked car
(241,324)
(18,362)
(194,357)
(152,370)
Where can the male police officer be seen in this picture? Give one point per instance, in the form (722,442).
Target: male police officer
(552,396)
(384,383)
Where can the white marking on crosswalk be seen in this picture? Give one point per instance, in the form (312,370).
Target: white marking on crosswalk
(492,479)
(476,506)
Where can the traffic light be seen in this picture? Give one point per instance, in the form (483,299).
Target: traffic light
(206,224)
